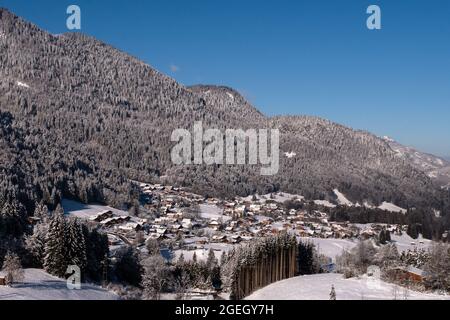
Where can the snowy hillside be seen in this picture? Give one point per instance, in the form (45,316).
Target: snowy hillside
(39,285)
(435,167)
(331,247)
(318,287)
(343,201)
(85,211)
(334,247)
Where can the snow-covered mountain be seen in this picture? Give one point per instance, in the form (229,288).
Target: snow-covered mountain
(437,168)
(115,115)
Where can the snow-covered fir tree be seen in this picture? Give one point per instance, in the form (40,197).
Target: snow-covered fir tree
(41,212)
(35,244)
(55,257)
(13,269)
(75,244)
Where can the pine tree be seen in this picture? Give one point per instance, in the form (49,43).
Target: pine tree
(97,250)
(75,244)
(211,261)
(180,261)
(388,236)
(382,237)
(41,212)
(35,244)
(223,258)
(55,247)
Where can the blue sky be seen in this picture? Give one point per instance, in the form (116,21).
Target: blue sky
(291,57)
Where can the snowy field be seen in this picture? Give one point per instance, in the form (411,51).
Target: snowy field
(211,211)
(331,247)
(391,207)
(279,197)
(202,254)
(85,211)
(39,285)
(405,242)
(318,287)
(334,247)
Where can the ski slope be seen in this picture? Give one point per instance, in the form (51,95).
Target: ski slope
(331,247)
(318,287)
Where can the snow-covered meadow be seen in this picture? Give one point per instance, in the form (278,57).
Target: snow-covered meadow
(318,287)
(39,285)
(85,211)
(211,211)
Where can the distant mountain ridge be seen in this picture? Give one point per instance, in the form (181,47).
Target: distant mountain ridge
(96,117)
(437,168)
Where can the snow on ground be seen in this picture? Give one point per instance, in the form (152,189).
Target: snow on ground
(211,211)
(334,247)
(279,197)
(391,207)
(202,254)
(318,287)
(230,95)
(290,154)
(84,211)
(39,285)
(405,242)
(283,196)
(22,84)
(324,203)
(433,174)
(342,200)
(331,247)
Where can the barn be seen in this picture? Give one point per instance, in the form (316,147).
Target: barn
(411,274)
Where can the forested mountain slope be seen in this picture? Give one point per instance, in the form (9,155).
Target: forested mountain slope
(436,168)
(89,117)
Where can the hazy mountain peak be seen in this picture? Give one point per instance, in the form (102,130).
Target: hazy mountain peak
(437,168)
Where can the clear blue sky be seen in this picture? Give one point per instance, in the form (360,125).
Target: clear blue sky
(291,57)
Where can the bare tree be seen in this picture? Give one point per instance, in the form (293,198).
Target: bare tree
(405,292)
(395,292)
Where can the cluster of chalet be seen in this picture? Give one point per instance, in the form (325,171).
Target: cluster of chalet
(263,217)
(241,219)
